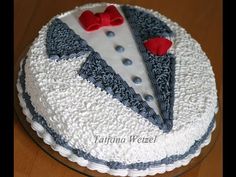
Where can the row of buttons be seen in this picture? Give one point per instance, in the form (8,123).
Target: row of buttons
(127,61)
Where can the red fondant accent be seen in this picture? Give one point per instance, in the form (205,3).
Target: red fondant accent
(103,18)
(115,17)
(158,45)
(110,16)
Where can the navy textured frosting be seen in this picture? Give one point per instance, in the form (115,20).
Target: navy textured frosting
(162,72)
(111,164)
(144,24)
(97,71)
(62,41)
(161,69)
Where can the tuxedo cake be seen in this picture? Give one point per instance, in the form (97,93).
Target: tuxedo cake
(119,89)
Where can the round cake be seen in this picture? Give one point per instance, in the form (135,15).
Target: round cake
(119,89)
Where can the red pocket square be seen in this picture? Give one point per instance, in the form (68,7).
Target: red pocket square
(158,45)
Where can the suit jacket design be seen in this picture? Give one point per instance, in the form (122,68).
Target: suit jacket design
(62,43)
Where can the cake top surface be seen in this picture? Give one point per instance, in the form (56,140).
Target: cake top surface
(92,85)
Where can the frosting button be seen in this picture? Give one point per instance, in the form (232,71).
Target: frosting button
(137,80)
(110,34)
(148,97)
(119,48)
(127,61)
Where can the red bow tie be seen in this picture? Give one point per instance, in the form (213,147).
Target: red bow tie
(158,45)
(110,17)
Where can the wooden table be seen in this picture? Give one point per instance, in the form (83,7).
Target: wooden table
(202,19)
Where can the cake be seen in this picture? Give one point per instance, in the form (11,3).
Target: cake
(119,89)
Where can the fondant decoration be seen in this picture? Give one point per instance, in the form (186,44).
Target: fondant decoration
(110,34)
(148,97)
(137,80)
(110,17)
(127,61)
(120,48)
(158,45)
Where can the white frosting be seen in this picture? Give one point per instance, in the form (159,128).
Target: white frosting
(78,111)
